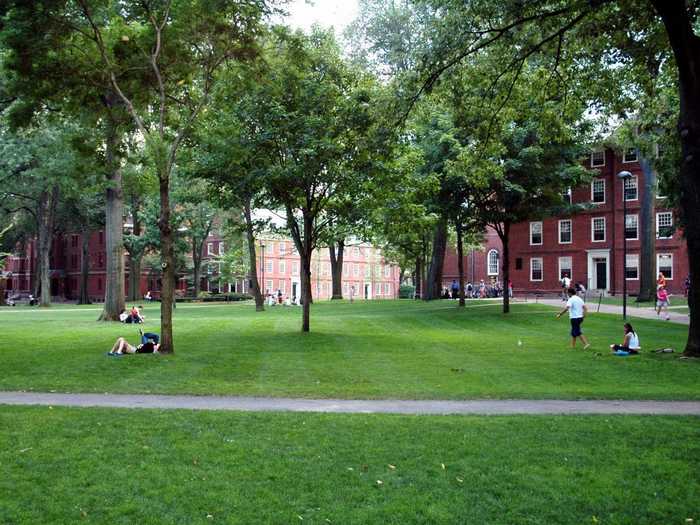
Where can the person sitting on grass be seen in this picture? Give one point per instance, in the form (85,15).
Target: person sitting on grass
(149,345)
(630,344)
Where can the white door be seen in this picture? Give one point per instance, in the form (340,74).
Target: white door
(599,270)
(368,290)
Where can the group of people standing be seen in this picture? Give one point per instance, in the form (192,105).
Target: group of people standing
(481,290)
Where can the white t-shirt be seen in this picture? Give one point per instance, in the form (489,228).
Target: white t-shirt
(566,282)
(575,304)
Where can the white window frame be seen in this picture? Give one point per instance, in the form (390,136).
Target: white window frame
(488,262)
(634,179)
(295,267)
(532,259)
(635,256)
(282,267)
(283,248)
(387,271)
(541,233)
(270,248)
(624,156)
(270,266)
(605,226)
(221,247)
(636,222)
(658,266)
(605,191)
(571,266)
(210,248)
(658,228)
(269,285)
(568,195)
(355,270)
(593,164)
(387,289)
(571,231)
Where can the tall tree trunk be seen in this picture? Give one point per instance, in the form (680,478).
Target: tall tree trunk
(253,273)
(647,232)
(686,48)
(418,276)
(36,285)
(46,215)
(136,252)
(167,293)
(434,284)
(336,254)
(197,248)
(504,235)
(460,261)
(114,227)
(84,296)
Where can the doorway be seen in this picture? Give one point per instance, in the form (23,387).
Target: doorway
(368,291)
(599,270)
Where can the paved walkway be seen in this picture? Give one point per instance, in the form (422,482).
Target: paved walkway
(632,311)
(264,404)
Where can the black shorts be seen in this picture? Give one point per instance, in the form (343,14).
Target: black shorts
(576,326)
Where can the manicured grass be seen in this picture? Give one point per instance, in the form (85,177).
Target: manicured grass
(392,349)
(676,300)
(121,467)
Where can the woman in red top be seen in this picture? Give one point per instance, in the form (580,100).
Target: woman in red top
(661,281)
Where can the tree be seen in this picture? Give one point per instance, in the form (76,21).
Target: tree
(550,29)
(181,45)
(312,115)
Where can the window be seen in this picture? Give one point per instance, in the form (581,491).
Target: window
(368,270)
(565,267)
(210,248)
(268,285)
(631,227)
(99,283)
(492,259)
(387,289)
(283,267)
(387,271)
(565,231)
(630,155)
(270,266)
(598,191)
(566,195)
(269,248)
(345,288)
(518,263)
(295,268)
(74,261)
(536,269)
(100,260)
(597,158)
(664,264)
(631,189)
(102,237)
(345,269)
(632,267)
(283,248)
(74,241)
(535,233)
(356,270)
(282,287)
(664,225)
(598,229)
(221,248)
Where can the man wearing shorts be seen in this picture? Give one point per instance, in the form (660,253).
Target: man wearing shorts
(577,311)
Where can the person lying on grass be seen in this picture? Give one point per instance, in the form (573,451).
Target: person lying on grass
(149,345)
(630,344)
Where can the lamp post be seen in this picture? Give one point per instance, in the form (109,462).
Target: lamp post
(624,176)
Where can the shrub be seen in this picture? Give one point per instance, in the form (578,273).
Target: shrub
(406,291)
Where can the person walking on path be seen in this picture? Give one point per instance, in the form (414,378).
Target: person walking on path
(565,285)
(455,289)
(662,301)
(577,311)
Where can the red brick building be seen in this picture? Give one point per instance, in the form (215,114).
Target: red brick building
(587,246)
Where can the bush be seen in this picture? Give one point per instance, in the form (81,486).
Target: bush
(225,297)
(407,291)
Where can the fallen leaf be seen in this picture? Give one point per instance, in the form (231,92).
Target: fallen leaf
(300,517)
(392,467)
(350,468)
(210,517)
(594,519)
(25,449)
(380,482)
(460,480)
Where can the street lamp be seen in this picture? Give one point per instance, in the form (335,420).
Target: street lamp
(624,176)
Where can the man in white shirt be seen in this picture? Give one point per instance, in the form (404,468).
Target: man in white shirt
(577,311)
(565,285)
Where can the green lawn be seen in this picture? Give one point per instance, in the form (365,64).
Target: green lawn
(676,300)
(120,467)
(392,349)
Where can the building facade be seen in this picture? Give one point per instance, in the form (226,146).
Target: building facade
(365,272)
(366,275)
(587,247)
